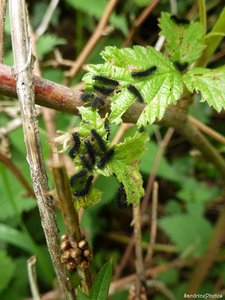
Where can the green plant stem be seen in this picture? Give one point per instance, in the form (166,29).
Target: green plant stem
(202,13)
(44,264)
(213,41)
(70,217)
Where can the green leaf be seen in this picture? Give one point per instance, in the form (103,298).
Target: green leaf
(184,43)
(100,288)
(158,90)
(190,232)
(47,43)
(125,166)
(96,10)
(210,83)
(15,238)
(196,194)
(81,295)
(7,270)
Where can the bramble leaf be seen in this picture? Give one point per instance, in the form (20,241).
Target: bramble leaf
(125,166)
(184,42)
(159,89)
(210,83)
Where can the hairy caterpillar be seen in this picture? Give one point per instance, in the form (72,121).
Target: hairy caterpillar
(105,80)
(99,140)
(80,174)
(108,155)
(86,188)
(135,92)
(144,72)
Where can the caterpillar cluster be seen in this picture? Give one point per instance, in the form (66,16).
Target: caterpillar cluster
(95,152)
(121,200)
(103,87)
(78,255)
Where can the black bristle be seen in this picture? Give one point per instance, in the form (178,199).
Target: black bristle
(179,21)
(90,151)
(86,188)
(103,161)
(180,66)
(105,80)
(86,96)
(144,73)
(103,90)
(86,163)
(97,101)
(122,198)
(99,140)
(80,174)
(135,92)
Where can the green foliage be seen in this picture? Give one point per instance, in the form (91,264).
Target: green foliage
(47,43)
(96,10)
(190,232)
(124,163)
(158,90)
(210,83)
(15,238)
(7,270)
(100,287)
(184,43)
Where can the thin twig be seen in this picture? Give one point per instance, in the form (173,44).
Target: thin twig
(24,81)
(155,168)
(2,27)
(136,222)
(206,129)
(70,217)
(31,268)
(140,19)
(16,171)
(47,18)
(93,40)
(153,229)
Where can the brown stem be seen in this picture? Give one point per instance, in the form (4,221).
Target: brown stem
(138,249)
(24,83)
(155,168)
(16,171)
(70,217)
(2,25)
(153,229)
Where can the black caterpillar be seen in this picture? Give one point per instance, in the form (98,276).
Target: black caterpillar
(180,66)
(105,80)
(76,145)
(86,96)
(80,174)
(86,163)
(108,155)
(144,72)
(99,140)
(86,188)
(96,101)
(90,151)
(103,90)
(135,92)
(122,198)
(179,21)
